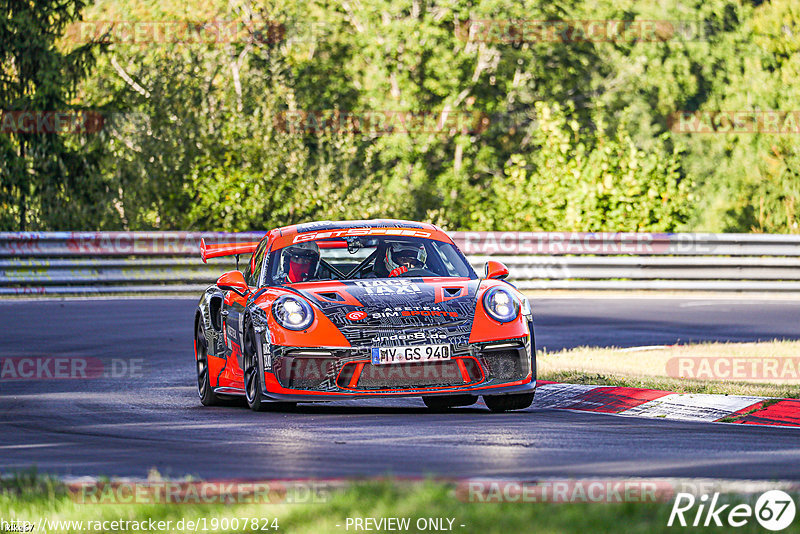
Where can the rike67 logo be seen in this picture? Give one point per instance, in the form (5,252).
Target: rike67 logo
(774,510)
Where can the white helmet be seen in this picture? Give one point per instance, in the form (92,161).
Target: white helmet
(405,255)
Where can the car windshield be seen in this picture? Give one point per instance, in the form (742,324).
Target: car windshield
(354,258)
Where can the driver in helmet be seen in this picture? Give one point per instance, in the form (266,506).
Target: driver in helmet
(299,262)
(404,257)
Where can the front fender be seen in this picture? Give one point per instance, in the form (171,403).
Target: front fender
(484,328)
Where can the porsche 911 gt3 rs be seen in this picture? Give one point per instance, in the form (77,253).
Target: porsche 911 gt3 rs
(382,308)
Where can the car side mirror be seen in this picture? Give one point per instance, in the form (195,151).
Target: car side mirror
(495,269)
(233,281)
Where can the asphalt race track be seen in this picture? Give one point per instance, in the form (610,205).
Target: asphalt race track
(125,426)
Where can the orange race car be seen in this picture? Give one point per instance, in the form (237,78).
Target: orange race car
(383,308)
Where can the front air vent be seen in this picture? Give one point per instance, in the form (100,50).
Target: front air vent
(305,370)
(366,376)
(214,309)
(506,364)
(401,376)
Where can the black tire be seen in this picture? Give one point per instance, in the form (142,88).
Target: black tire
(445,402)
(204,390)
(505,403)
(253,379)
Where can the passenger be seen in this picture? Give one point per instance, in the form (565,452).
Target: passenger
(404,257)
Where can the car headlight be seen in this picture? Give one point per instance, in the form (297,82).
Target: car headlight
(293,312)
(500,304)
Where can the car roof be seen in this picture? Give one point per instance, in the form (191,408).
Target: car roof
(287,234)
(322,226)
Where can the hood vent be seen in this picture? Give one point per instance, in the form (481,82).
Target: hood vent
(331,295)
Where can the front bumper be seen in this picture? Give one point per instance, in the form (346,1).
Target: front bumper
(324,374)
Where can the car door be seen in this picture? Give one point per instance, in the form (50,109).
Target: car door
(233,312)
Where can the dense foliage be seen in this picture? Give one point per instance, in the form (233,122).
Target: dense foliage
(420,109)
(43,178)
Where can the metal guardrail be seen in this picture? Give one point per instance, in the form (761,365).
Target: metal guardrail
(169,262)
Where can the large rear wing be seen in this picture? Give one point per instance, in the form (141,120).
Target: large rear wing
(225,249)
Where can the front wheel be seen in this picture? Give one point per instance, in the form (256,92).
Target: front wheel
(504,403)
(254,379)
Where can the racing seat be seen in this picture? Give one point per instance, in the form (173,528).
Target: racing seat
(379,265)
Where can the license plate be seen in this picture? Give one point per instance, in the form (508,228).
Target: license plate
(416,353)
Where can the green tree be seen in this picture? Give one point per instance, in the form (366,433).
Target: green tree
(571,183)
(750,181)
(574,135)
(47,180)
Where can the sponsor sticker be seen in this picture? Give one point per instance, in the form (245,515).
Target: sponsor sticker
(393,339)
(388,287)
(414,311)
(357,315)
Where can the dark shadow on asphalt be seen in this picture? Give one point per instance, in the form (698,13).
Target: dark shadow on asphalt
(355,409)
(557,332)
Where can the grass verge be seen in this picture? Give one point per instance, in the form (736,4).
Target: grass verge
(31,498)
(767,369)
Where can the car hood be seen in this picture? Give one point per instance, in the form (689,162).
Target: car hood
(389,310)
